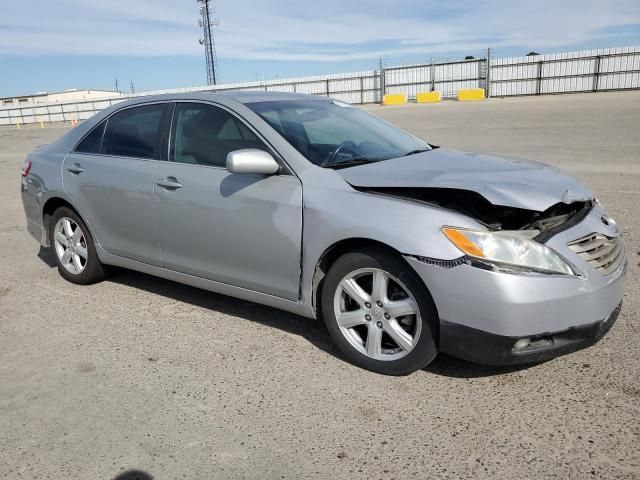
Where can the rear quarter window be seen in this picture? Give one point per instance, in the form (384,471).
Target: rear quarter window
(135,132)
(93,141)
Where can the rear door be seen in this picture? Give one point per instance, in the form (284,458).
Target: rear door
(239,229)
(110,176)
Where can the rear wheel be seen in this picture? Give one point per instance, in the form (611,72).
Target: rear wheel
(379,313)
(76,254)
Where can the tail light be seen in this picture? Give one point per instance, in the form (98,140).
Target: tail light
(26,167)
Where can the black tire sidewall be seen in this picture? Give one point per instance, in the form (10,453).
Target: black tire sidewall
(426,349)
(93,271)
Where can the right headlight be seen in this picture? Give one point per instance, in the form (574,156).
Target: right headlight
(515,248)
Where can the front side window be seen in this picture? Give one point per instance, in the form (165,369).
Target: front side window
(93,141)
(135,132)
(331,133)
(204,135)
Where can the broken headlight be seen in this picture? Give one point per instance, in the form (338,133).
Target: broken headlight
(508,248)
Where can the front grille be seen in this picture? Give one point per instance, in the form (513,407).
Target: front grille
(601,252)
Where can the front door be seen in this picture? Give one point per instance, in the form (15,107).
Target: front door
(239,229)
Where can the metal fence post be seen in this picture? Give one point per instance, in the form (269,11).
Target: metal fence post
(327,86)
(361,90)
(382,82)
(539,79)
(487,75)
(432,74)
(596,73)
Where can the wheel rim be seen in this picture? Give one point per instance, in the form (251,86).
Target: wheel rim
(377,314)
(70,245)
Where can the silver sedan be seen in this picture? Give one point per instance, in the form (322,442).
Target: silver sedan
(404,249)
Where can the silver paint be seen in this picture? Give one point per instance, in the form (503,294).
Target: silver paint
(251,161)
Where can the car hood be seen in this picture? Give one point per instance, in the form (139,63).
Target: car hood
(502,181)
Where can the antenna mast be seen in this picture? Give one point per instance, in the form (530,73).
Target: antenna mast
(207,22)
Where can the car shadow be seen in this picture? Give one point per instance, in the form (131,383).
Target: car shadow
(133,475)
(448,366)
(311,330)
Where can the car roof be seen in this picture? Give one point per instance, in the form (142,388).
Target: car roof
(239,96)
(255,96)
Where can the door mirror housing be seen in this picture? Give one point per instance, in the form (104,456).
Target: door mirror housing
(251,161)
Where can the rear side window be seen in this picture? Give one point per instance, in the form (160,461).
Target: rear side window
(92,142)
(204,135)
(135,132)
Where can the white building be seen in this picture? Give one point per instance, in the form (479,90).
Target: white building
(71,95)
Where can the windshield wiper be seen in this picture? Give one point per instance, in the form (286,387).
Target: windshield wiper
(349,163)
(419,150)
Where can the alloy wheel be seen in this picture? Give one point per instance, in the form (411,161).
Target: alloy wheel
(70,245)
(377,314)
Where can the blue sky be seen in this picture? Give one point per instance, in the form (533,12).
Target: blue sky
(50,45)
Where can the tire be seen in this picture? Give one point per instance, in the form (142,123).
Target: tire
(89,270)
(393,354)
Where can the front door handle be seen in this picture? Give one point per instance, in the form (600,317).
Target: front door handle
(170,183)
(76,169)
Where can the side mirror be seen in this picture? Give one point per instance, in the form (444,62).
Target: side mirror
(251,161)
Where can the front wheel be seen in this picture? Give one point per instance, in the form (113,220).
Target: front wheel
(379,313)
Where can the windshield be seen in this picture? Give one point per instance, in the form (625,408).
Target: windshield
(335,135)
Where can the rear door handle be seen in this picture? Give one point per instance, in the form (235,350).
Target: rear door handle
(75,169)
(170,183)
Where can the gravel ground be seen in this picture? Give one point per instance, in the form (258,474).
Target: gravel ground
(142,373)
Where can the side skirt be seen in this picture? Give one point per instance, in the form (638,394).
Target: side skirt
(205,284)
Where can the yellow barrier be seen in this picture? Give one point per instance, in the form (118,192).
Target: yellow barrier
(429,97)
(471,95)
(394,99)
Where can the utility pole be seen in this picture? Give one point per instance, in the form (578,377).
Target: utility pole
(117,88)
(207,22)
(133,90)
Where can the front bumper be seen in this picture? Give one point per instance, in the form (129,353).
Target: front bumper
(520,305)
(490,349)
(483,313)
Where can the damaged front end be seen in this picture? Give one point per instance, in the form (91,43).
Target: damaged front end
(549,222)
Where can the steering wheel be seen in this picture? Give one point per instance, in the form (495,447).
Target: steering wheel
(347,144)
